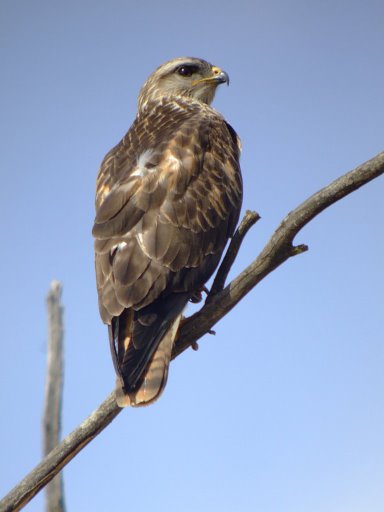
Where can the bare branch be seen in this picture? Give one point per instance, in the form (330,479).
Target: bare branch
(278,249)
(249,219)
(53,393)
(60,456)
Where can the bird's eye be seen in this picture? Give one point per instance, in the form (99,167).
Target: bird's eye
(187,70)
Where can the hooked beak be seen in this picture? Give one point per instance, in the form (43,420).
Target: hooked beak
(218,77)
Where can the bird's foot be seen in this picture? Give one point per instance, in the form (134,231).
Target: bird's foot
(198,295)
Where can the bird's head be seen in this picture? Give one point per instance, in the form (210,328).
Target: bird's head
(186,77)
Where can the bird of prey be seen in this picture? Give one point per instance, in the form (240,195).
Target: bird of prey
(168,198)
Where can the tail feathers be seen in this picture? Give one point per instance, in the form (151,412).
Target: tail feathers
(156,373)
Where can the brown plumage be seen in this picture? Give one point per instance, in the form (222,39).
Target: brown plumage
(168,198)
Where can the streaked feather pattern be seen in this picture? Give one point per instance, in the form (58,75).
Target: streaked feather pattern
(168,198)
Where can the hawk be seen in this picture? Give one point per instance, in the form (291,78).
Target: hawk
(168,198)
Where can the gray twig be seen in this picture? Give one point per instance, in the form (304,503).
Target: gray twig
(53,393)
(249,219)
(54,462)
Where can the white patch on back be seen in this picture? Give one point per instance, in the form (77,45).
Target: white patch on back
(174,163)
(141,170)
(117,247)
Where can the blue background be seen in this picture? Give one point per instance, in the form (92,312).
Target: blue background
(283,409)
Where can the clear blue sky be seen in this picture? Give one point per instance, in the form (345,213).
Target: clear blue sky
(284,409)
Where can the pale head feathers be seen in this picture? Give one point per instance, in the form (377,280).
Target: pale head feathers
(186,77)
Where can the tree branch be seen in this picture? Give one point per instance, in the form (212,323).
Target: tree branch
(249,219)
(278,249)
(53,393)
(60,456)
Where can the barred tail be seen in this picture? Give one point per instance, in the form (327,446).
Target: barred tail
(155,375)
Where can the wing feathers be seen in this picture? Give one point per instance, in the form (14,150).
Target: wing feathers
(129,263)
(168,198)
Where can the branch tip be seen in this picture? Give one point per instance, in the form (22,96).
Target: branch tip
(299,249)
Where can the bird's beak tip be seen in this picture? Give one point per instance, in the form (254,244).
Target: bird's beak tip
(220,76)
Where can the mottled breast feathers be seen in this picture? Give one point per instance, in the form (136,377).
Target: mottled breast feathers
(168,198)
